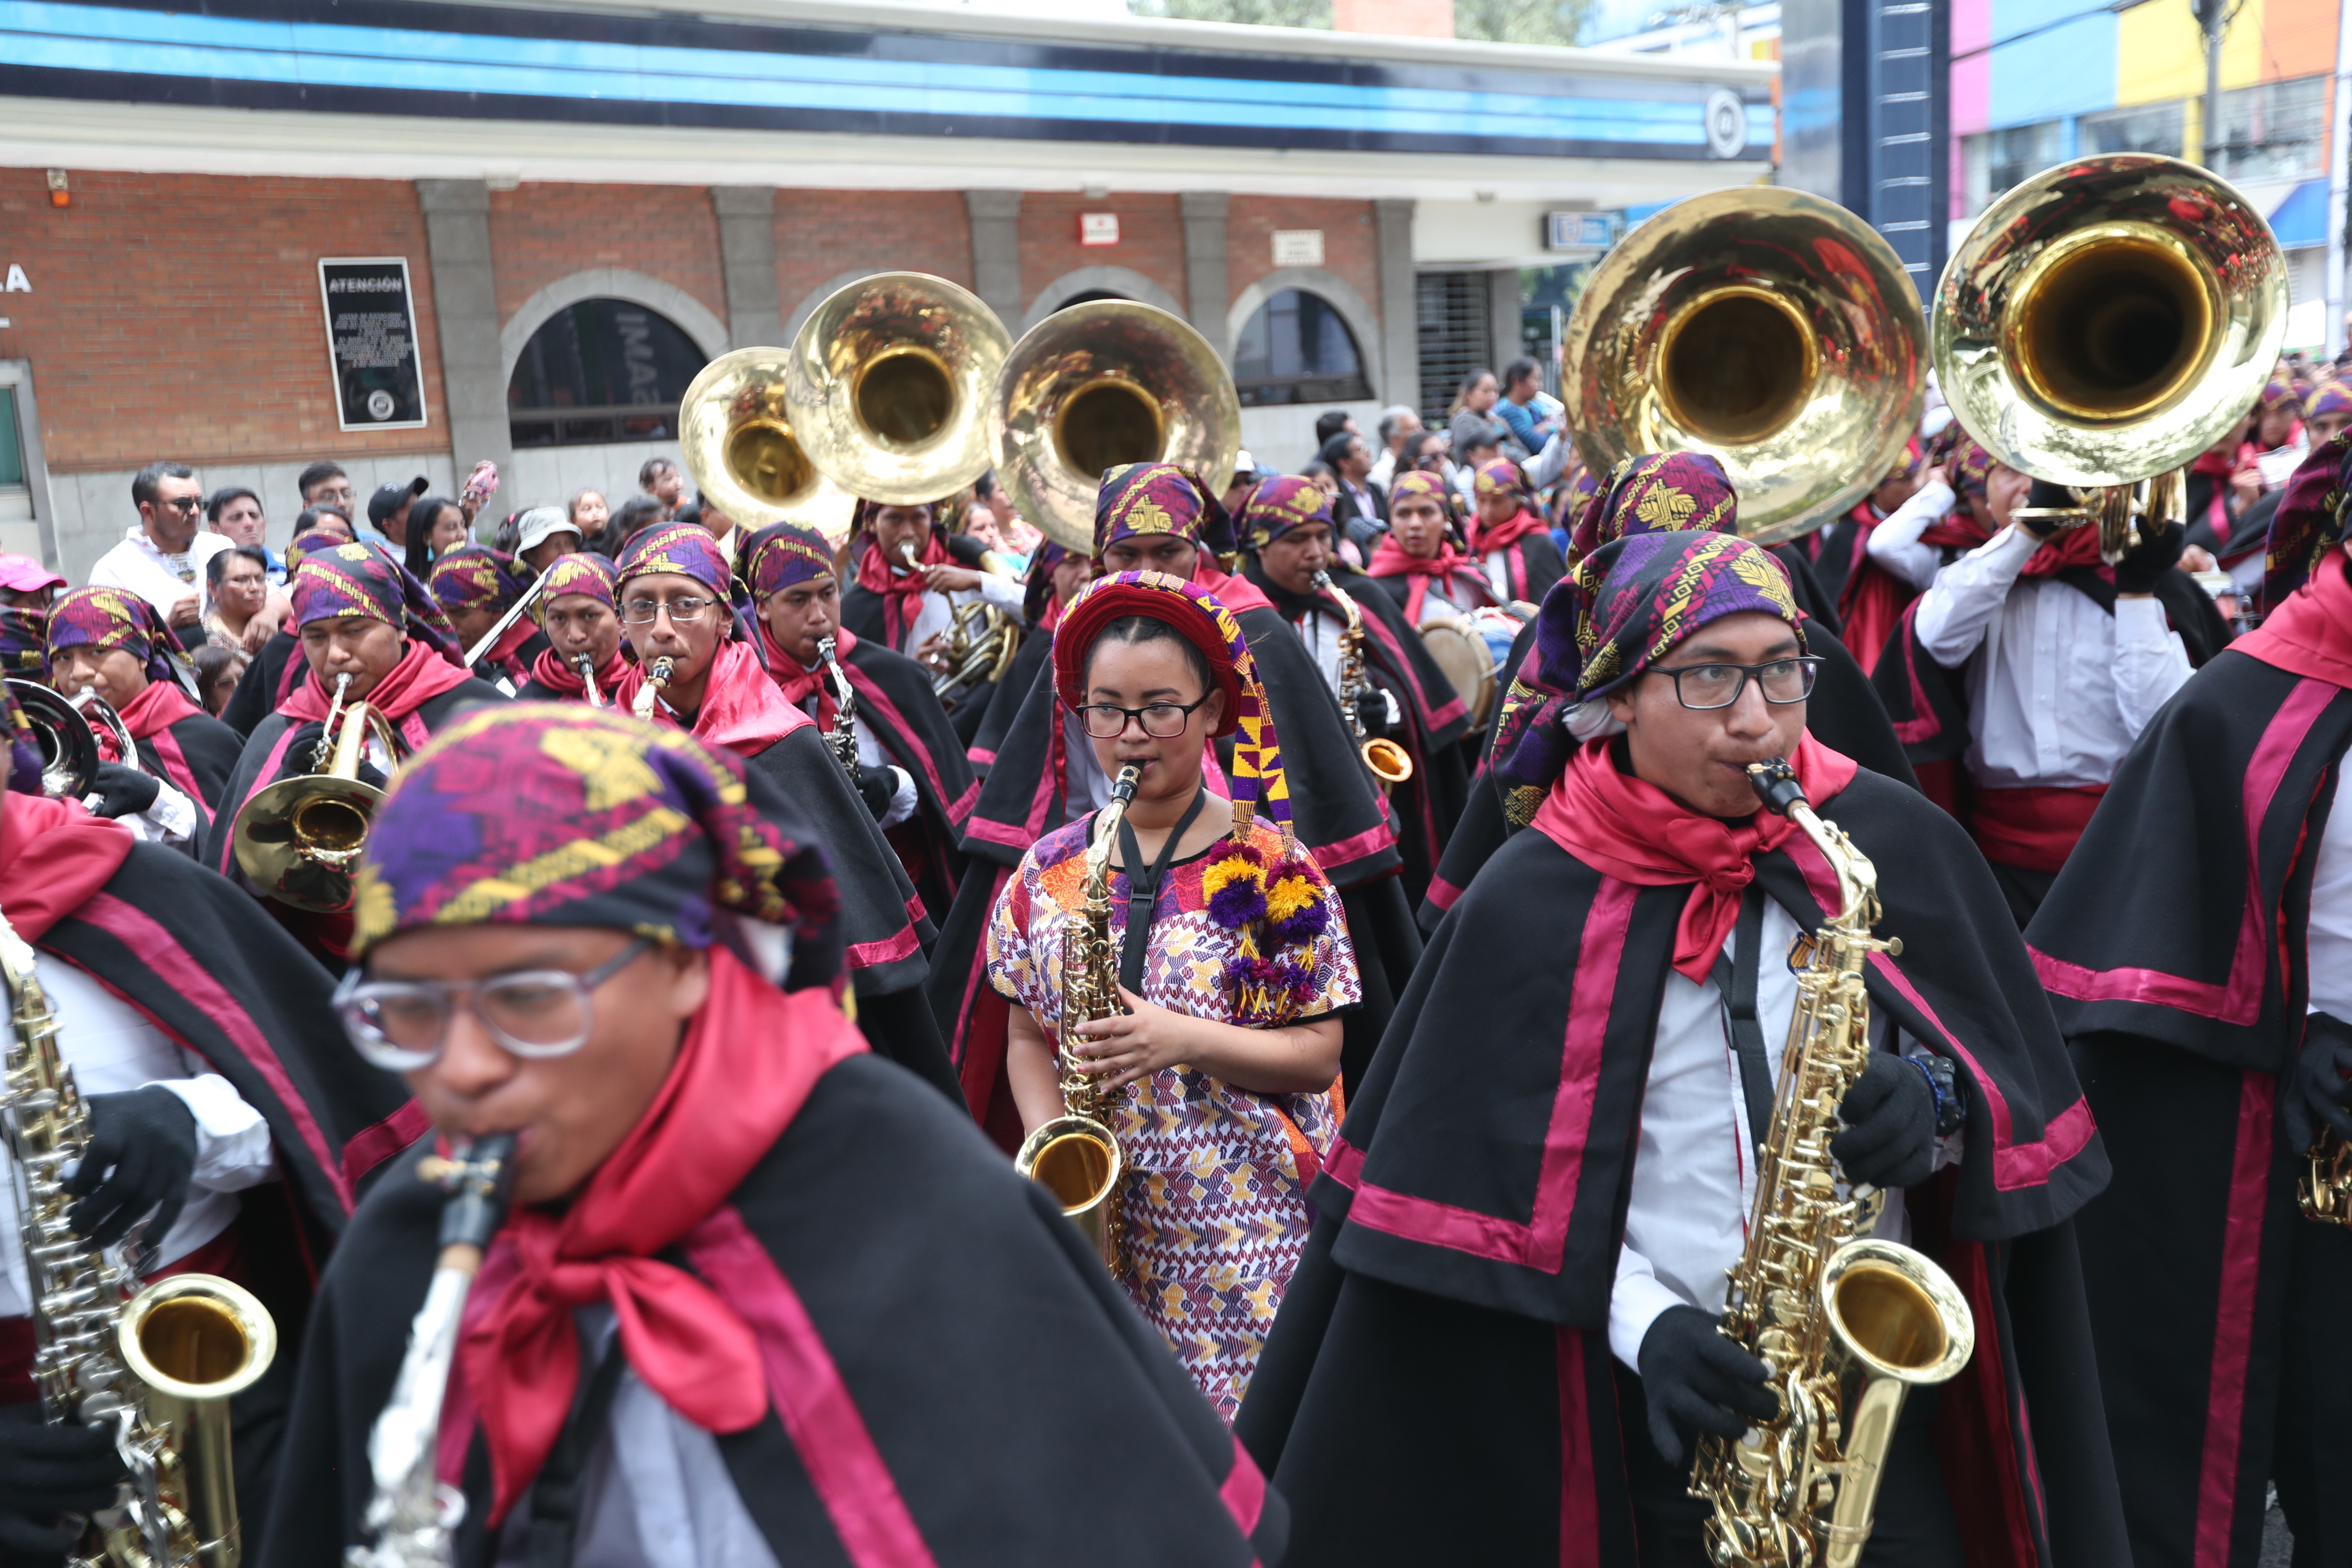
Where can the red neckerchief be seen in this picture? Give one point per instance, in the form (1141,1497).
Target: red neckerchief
(502,652)
(53,856)
(1235,594)
(1389,560)
(1485,540)
(798,684)
(902,592)
(552,670)
(1955,530)
(159,707)
(741,709)
(750,1059)
(1051,616)
(2066,549)
(1624,827)
(419,677)
(2220,466)
(2310,633)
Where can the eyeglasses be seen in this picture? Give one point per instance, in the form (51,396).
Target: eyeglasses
(682,611)
(184,503)
(1704,686)
(402,1026)
(1161,720)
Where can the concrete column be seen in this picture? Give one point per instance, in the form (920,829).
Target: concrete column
(747,256)
(466,310)
(1400,332)
(1204,263)
(996,253)
(1503,299)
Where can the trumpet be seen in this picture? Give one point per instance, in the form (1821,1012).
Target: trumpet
(585,663)
(298,841)
(658,675)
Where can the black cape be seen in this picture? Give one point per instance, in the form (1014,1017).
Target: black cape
(202,756)
(256,697)
(1536,564)
(895,701)
(1438,1384)
(1020,676)
(993,1376)
(2173,946)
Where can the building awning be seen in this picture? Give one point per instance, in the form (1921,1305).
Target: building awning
(2301,220)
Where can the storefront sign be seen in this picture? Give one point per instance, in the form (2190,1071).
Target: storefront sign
(1098,228)
(371,342)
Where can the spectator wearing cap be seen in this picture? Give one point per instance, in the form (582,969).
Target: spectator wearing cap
(236,512)
(544,535)
(661,478)
(1361,507)
(27,584)
(389,508)
(1397,425)
(163,559)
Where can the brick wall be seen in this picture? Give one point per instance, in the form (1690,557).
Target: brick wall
(179,314)
(1350,246)
(821,235)
(1151,239)
(540,233)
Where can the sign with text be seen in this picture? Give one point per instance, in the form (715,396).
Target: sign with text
(371,342)
(1298,247)
(1578,231)
(1098,228)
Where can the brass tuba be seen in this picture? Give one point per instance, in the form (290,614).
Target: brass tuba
(1101,384)
(2106,322)
(1772,329)
(740,450)
(299,840)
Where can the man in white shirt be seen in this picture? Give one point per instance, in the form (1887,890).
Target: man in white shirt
(1397,425)
(163,559)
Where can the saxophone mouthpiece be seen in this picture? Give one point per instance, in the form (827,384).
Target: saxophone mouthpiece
(1122,789)
(1776,785)
(479,1176)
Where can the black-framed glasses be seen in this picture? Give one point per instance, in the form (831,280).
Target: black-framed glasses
(1706,686)
(682,611)
(1161,720)
(401,1024)
(184,503)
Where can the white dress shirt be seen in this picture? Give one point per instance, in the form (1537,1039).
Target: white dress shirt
(870,754)
(1383,468)
(2328,942)
(1695,1164)
(1894,542)
(2063,687)
(937,611)
(112,1048)
(136,564)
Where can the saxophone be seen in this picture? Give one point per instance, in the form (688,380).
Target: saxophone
(156,1366)
(1076,1156)
(1848,1324)
(843,736)
(658,676)
(1389,764)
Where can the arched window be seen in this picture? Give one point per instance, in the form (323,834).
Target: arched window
(1087,297)
(1297,349)
(600,371)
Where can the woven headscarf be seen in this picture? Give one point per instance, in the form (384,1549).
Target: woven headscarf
(360,582)
(2330,396)
(2278,394)
(1618,612)
(591,575)
(1279,504)
(782,554)
(685,548)
(24,641)
(103,618)
(558,814)
(1666,492)
(310,543)
(23,750)
(1970,469)
(1500,477)
(1037,605)
(1159,498)
(1419,483)
(476,578)
(2309,521)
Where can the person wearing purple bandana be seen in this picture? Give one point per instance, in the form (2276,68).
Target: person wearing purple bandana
(475,587)
(264,679)
(1501,1344)
(909,609)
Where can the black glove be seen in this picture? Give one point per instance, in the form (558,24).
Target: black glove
(1372,710)
(875,787)
(2317,1089)
(303,752)
(2044,494)
(142,1150)
(1889,1139)
(46,1471)
(123,790)
(1696,1381)
(2156,554)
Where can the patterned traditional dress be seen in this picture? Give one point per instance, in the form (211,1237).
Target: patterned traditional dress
(1215,1203)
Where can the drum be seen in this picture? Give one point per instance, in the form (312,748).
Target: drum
(1472,649)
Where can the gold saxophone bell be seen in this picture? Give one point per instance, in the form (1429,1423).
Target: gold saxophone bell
(193,1340)
(1077,1160)
(740,448)
(68,747)
(1390,763)
(1770,329)
(298,841)
(1101,384)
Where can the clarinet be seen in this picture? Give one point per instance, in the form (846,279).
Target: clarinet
(657,676)
(843,737)
(585,663)
(414,1517)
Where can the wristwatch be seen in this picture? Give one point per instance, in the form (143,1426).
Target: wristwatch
(1951,1107)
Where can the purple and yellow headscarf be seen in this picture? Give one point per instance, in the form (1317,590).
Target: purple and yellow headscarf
(685,548)
(1421,483)
(360,581)
(1664,493)
(105,618)
(1619,611)
(582,574)
(2309,521)
(476,578)
(1278,505)
(1500,477)
(2278,394)
(24,641)
(1970,469)
(782,554)
(308,544)
(1159,498)
(1037,605)
(2330,396)
(558,814)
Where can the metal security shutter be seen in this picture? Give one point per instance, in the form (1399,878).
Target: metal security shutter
(1451,318)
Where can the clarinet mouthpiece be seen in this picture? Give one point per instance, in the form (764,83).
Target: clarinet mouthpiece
(1776,785)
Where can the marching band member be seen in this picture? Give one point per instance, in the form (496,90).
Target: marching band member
(673,593)
(2198,947)
(580,617)
(1951,512)
(1869,598)
(1285,525)
(1511,544)
(115,644)
(276,666)
(910,609)
(1054,576)
(475,585)
(1155,516)
(691,1340)
(1234,960)
(909,763)
(191,1024)
(1415,561)
(1502,1341)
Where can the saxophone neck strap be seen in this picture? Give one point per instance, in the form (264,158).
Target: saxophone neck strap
(1143,889)
(1735,980)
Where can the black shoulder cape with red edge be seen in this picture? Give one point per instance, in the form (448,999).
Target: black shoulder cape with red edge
(1436,719)
(197,756)
(967,1386)
(895,701)
(2173,946)
(1020,677)
(1535,564)
(1336,811)
(1438,1384)
(1843,713)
